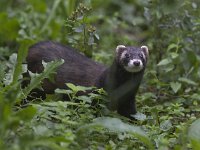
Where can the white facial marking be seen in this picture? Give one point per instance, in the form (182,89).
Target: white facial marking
(143,55)
(123,55)
(145,48)
(131,67)
(120,47)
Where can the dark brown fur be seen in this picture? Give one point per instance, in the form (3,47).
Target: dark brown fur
(77,68)
(121,85)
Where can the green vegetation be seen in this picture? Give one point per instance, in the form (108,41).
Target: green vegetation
(168,101)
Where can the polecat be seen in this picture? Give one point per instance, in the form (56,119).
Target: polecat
(121,80)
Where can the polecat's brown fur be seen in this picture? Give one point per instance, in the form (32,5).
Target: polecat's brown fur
(121,80)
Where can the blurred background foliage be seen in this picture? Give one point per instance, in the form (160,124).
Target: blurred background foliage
(170,28)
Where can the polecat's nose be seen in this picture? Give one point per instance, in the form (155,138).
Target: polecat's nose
(136,63)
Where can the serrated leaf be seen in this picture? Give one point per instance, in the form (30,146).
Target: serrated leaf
(188,81)
(164,62)
(175,86)
(48,70)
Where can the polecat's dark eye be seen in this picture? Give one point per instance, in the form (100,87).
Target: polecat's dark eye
(127,55)
(141,56)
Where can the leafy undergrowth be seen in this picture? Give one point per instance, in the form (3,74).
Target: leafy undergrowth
(84,122)
(78,125)
(168,101)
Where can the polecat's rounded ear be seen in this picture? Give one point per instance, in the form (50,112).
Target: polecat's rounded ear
(145,50)
(120,48)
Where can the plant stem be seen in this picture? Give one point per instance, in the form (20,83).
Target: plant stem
(51,15)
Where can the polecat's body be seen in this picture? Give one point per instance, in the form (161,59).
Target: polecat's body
(121,80)
(77,68)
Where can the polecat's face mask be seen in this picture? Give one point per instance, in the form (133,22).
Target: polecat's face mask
(132,59)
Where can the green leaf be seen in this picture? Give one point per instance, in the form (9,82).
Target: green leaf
(84,99)
(139,116)
(8,78)
(96,36)
(175,86)
(194,130)
(115,124)
(9,27)
(48,70)
(39,6)
(40,130)
(63,91)
(172,46)
(26,113)
(188,81)
(195,96)
(164,62)
(166,125)
(195,144)
(168,68)
(72,86)
(20,58)
(78,88)
(174,55)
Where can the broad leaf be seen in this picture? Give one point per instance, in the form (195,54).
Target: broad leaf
(194,130)
(26,113)
(164,62)
(166,125)
(188,81)
(175,86)
(78,88)
(174,55)
(194,134)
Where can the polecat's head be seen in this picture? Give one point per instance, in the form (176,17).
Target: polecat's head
(132,59)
